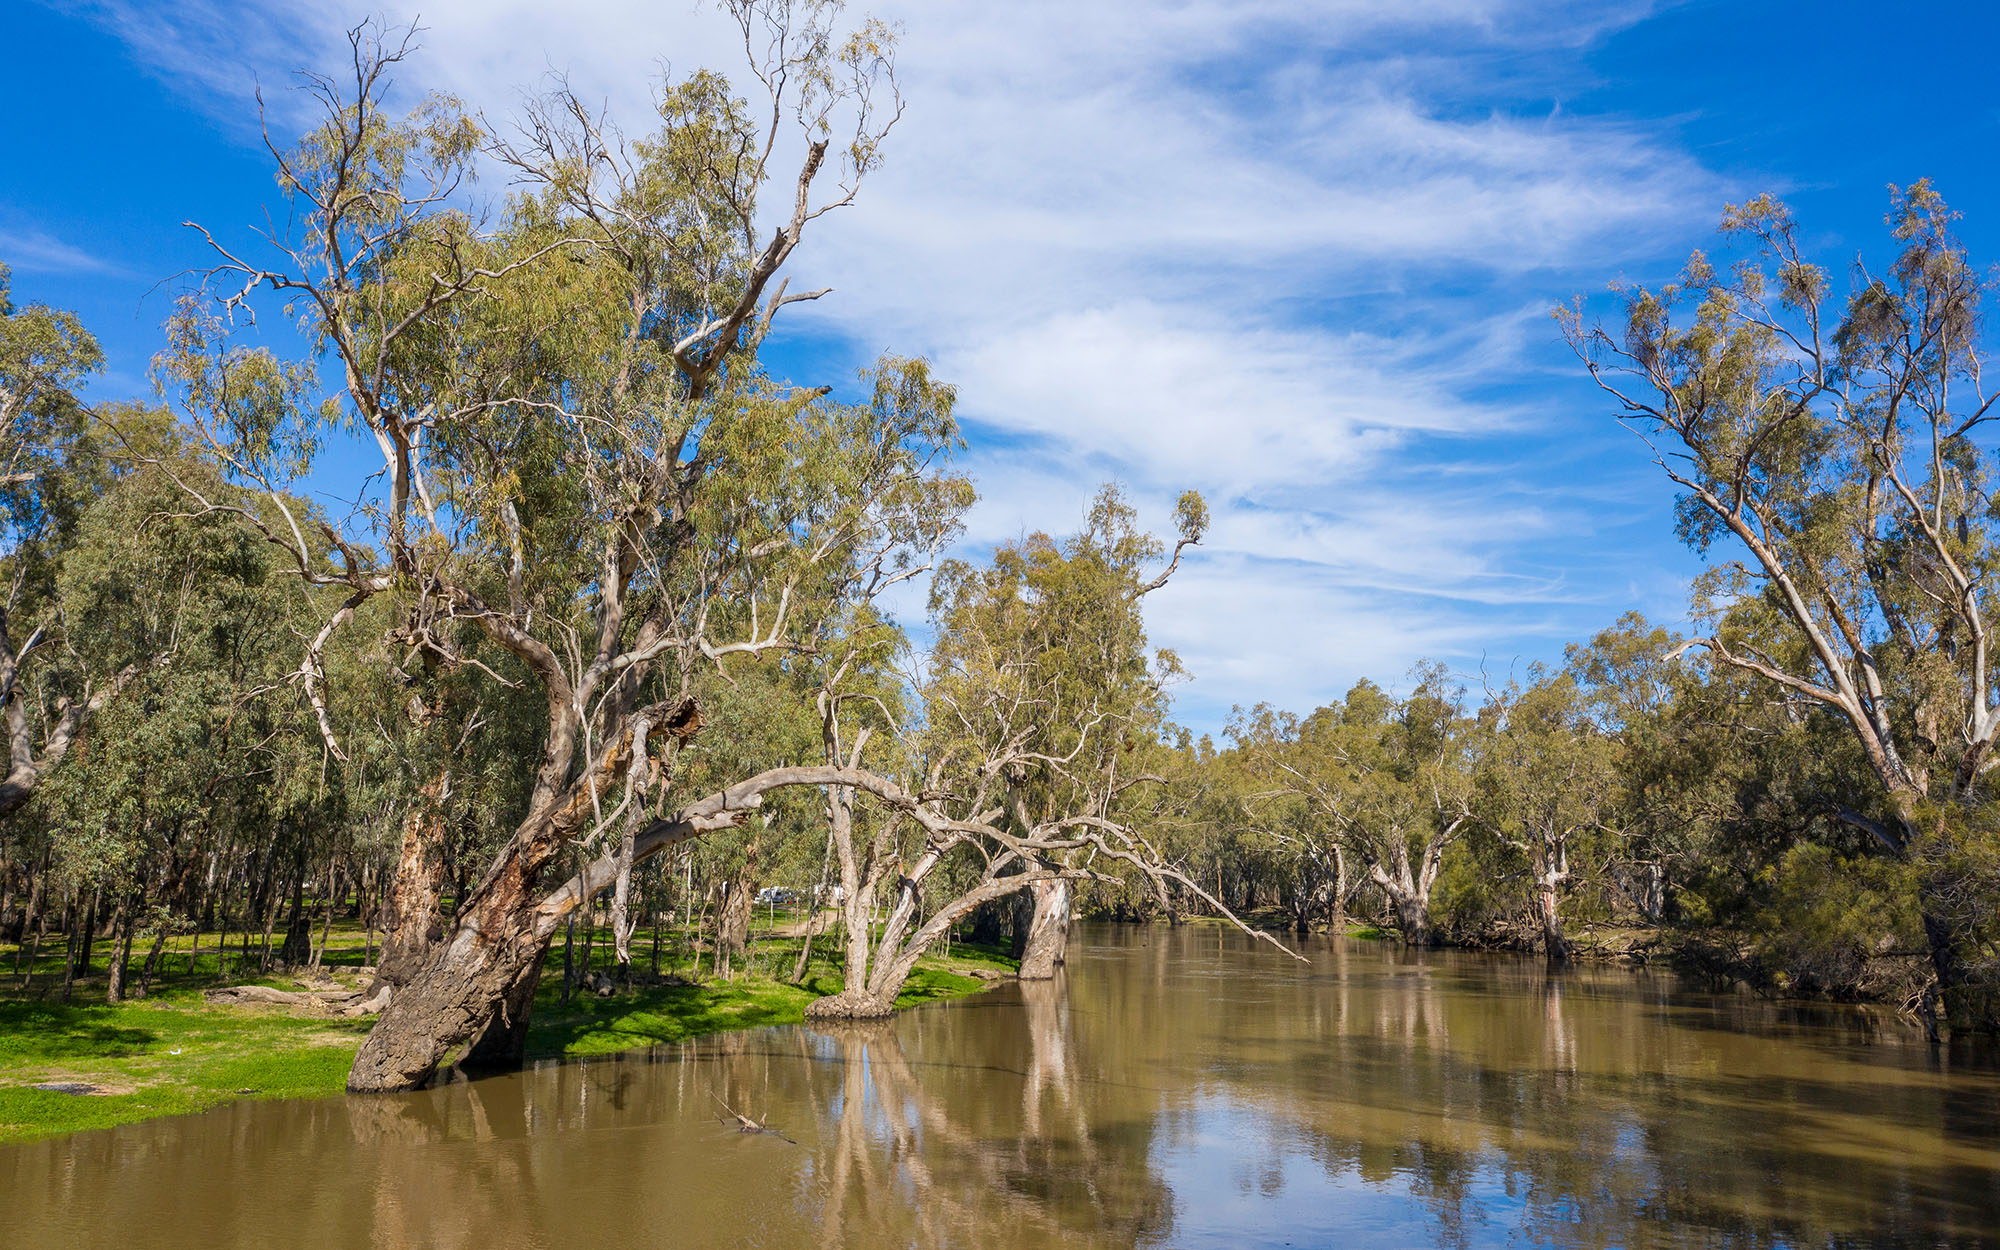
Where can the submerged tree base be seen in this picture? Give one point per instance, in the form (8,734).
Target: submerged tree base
(850,1005)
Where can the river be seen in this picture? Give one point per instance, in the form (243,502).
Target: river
(1178,1087)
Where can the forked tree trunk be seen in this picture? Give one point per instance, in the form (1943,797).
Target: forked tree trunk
(498,938)
(458,990)
(1409,902)
(1408,886)
(487,968)
(1048,930)
(902,943)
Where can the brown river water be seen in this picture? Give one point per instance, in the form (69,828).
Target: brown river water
(1174,1088)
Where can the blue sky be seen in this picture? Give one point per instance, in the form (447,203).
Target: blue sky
(1297,256)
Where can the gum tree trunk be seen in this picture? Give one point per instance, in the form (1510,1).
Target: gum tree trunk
(487,967)
(121,951)
(1413,919)
(1048,930)
(410,920)
(1407,885)
(1554,945)
(495,947)
(503,1046)
(1551,864)
(894,955)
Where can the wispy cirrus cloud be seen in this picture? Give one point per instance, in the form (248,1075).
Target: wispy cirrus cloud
(1290,254)
(31,250)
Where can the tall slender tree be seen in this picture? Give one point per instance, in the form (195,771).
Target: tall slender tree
(1835,463)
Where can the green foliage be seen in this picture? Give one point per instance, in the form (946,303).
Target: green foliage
(1829,917)
(1384,781)
(1041,656)
(1473,897)
(1835,466)
(595,499)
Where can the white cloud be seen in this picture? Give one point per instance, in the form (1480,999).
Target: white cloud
(1279,252)
(29,250)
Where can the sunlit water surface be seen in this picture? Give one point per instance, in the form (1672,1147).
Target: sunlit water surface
(1176,1088)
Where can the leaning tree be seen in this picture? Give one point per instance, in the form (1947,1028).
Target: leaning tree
(588,491)
(1017,773)
(1040,664)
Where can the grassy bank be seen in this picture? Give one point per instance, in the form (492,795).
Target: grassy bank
(173,1052)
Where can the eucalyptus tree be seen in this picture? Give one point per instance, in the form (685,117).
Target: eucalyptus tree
(1546,783)
(204,748)
(580,458)
(1225,813)
(1705,765)
(1307,858)
(1391,779)
(1041,662)
(1834,459)
(1036,694)
(51,466)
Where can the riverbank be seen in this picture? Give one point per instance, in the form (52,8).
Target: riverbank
(1714,958)
(85,1064)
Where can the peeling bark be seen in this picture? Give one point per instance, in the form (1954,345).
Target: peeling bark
(410,926)
(1048,930)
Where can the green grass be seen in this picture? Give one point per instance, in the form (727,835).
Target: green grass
(157,1058)
(174,1053)
(595,1026)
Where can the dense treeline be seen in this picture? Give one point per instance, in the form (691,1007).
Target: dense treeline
(1626,802)
(602,637)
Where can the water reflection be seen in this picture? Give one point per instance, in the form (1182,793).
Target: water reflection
(1448,1099)
(906,1167)
(1179,1088)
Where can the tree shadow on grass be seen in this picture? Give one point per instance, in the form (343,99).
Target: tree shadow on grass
(66,1031)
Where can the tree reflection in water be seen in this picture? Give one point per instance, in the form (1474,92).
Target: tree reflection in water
(912,1162)
(1175,1088)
